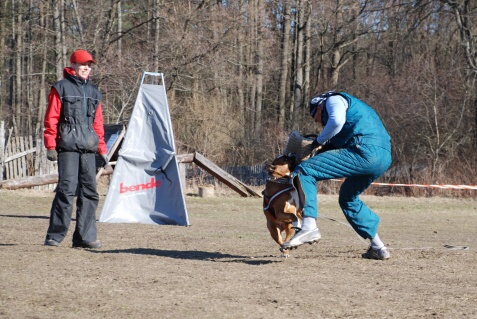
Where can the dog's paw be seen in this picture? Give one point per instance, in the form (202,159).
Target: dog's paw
(284,252)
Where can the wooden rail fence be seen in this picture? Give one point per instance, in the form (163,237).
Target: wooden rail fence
(22,157)
(23,164)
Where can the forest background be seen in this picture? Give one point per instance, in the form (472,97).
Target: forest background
(239,74)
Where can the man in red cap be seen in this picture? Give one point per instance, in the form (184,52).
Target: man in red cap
(74,133)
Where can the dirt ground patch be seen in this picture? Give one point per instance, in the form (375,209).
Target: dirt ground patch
(225,264)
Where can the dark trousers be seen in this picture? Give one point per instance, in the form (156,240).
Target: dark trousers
(76,176)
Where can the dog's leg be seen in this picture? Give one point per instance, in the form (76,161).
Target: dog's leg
(289,231)
(288,228)
(276,233)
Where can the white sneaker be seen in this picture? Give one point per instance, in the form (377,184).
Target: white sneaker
(302,237)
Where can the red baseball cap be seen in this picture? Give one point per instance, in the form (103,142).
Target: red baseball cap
(81,56)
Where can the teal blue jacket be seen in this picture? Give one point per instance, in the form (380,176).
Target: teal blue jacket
(362,127)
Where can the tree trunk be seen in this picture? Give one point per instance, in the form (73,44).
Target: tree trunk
(259,70)
(285,65)
(29,76)
(468,36)
(307,62)
(298,80)
(108,28)
(156,34)
(64,45)
(57,32)
(3,33)
(78,20)
(252,88)
(241,69)
(336,52)
(18,52)
(120,33)
(42,96)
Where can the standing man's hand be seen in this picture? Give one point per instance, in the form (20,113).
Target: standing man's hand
(52,155)
(105,161)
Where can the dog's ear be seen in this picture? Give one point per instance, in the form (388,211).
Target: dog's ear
(293,160)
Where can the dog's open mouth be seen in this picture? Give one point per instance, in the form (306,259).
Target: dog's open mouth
(270,168)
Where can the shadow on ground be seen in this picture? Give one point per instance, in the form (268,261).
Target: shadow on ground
(23,216)
(188,255)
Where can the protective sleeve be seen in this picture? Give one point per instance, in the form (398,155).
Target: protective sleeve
(98,127)
(52,117)
(336,107)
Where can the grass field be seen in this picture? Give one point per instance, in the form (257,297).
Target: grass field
(225,265)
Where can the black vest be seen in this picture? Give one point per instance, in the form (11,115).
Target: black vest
(79,99)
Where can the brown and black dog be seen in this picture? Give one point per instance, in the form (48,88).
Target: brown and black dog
(281,200)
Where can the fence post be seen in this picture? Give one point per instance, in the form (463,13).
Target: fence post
(2,148)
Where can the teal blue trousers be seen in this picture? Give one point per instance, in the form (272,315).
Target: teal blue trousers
(360,165)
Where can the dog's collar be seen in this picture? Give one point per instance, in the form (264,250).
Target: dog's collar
(280,180)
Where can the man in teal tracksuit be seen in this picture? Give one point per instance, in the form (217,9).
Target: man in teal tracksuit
(354,144)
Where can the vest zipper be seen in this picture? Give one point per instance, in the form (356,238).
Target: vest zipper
(85,121)
(85,105)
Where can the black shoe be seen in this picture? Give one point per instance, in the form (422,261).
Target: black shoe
(87,244)
(51,242)
(380,254)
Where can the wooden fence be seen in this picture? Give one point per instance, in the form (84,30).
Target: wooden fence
(22,156)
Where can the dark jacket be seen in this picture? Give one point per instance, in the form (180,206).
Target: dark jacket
(77,123)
